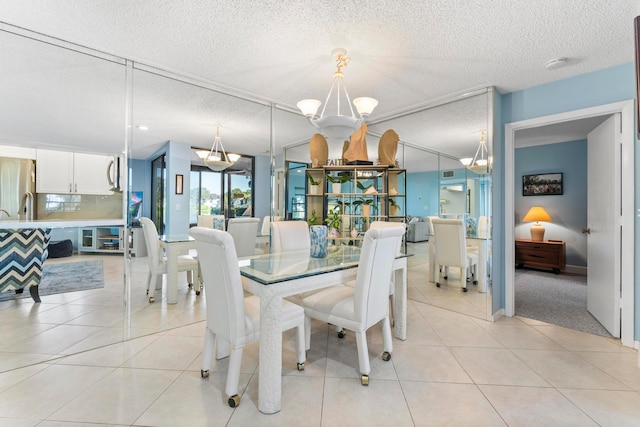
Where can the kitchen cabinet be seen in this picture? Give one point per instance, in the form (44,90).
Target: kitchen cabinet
(76,173)
(365,194)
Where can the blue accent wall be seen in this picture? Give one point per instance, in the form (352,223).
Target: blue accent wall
(600,87)
(423,193)
(568,211)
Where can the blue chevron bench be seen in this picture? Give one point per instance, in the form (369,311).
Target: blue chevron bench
(22,255)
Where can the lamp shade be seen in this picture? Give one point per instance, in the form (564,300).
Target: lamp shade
(365,105)
(309,107)
(536,213)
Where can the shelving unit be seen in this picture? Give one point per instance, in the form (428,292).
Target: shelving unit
(101,239)
(367,194)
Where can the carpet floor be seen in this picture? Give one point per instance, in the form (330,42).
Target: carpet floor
(65,277)
(557,299)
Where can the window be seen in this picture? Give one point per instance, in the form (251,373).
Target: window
(228,193)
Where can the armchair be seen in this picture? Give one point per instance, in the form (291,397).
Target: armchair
(22,255)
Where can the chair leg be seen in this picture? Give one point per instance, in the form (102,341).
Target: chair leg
(207,352)
(153,282)
(33,290)
(148,282)
(301,354)
(199,281)
(387,339)
(233,377)
(392,303)
(190,278)
(307,332)
(363,356)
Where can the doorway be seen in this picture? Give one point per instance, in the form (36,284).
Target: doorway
(625,257)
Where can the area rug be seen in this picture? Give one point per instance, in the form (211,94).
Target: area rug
(557,299)
(58,278)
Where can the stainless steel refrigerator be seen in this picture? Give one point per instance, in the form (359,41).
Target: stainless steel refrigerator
(17,189)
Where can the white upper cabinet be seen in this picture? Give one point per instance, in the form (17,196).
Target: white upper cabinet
(71,173)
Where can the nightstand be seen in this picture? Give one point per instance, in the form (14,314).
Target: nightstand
(545,254)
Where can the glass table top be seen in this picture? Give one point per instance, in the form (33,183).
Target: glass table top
(279,267)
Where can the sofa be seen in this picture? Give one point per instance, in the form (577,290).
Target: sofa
(419,230)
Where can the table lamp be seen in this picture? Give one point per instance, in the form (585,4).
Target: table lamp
(537,214)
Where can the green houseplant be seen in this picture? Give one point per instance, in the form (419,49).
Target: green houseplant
(314,185)
(337,181)
(334,222)
(313,219)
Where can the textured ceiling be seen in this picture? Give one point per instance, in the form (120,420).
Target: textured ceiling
(404,53)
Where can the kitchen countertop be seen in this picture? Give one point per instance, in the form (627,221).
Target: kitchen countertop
(63,223)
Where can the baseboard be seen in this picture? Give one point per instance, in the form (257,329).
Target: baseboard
(575,269)
(497,315)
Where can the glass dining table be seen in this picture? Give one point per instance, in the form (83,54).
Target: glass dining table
(275,276)
(174,244)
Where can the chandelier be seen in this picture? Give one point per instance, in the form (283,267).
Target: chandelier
(337,126)
(480,162)
(217,159)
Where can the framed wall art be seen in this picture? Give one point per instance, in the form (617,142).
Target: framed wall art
(547,184)
(179,184)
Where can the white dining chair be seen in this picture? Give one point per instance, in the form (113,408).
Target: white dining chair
(392,288)
(244,232)
(290,236)
(232,318)
(158,263)
(360,307)
(483,227)
(403,227)
(211,221)
(265,229)
(451,249)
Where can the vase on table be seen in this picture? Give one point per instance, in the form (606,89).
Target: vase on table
(318,241)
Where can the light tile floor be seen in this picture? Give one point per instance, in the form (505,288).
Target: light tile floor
(453,369)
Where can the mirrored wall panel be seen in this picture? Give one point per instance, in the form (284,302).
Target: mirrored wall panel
(435,146)
(62,128)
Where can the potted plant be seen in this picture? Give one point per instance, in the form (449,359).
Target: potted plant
(337,182)
(366,204)
(313,219)
(314,185)
(334,222)
(394,208)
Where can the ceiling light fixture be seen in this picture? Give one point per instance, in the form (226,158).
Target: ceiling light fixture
(480,162)
(337,126)
(554,64)
(217,159)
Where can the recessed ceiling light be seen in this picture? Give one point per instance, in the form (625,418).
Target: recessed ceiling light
(143,127)
(554,64)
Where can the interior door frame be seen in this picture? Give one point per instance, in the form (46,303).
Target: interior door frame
(626,110)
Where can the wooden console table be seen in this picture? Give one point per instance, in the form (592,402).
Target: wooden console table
(546,254)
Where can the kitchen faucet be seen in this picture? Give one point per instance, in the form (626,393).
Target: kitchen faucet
(5,211)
